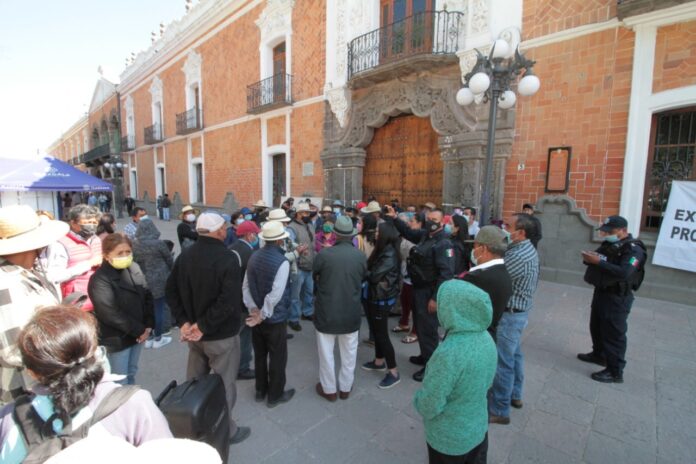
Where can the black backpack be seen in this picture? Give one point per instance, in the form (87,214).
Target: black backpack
(40,440)
(637,277)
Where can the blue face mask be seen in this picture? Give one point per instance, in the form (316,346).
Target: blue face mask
(474,261)
(248,217)
(255,243)
(448,229)
(239,220)
(612,238)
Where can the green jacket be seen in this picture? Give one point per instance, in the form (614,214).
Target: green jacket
(452,399)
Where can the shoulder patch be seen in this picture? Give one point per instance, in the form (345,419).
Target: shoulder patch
(449,253)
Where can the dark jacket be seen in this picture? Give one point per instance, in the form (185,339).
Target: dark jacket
(153,257)
(462,253)
(244,251)
(535,236)
(263,271)
(186,231)
(384,276)
(123,305)
(204,288)
(338,275)
(495,281)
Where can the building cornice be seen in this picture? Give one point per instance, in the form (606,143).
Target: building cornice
(676,14)
(569,34)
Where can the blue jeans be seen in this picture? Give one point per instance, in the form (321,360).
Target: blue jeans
(125,362)
(160,307)
(509,375)
(302,294)
(165,214)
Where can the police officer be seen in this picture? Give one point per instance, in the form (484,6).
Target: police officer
(615,269)
(430,263)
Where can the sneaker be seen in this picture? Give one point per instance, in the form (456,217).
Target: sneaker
(389,381)
(167,333)
(163,341)
(148,343)
(371,366)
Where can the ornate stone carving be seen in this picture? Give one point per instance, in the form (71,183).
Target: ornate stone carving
(156,89)
(479,16)
(192,67)
(275,19)
(339,100)
(341,43)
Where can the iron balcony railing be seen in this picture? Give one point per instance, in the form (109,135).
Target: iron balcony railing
(269,93)
(96,153)
(128,143)
(426,33)
(188,121)
(153,134)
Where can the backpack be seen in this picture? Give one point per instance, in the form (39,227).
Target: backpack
(40,440)
(637,277)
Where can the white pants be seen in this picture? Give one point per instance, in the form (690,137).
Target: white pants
(348,348)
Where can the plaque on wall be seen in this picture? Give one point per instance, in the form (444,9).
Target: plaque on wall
(558,170)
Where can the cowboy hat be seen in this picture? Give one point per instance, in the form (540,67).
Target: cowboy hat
(272,231)
(260,204)
(344,227)
(372,207)
(22,230)
(278,215)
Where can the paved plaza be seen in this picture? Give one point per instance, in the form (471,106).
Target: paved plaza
(567,417)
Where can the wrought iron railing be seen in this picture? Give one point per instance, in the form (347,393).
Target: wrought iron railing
(96,153)
(269,93)
(426,33)
(153,134)
(188,121)
(128,143)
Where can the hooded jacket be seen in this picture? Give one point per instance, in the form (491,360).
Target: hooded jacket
(452,399)
(153,257)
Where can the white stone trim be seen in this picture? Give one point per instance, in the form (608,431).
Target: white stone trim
(569,34)
(192,72)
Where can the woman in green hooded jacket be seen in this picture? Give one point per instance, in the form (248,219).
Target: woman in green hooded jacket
(452,399)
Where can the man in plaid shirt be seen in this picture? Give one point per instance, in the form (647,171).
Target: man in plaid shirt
(22,289)
(522,263)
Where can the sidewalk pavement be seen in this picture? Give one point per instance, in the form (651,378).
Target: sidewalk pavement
(566,418)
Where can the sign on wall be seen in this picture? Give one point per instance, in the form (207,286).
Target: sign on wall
(558,170)
(676,244)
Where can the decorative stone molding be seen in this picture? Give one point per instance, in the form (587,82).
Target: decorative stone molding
(479,16)
(156,89)
(192,67)
(275,19)
(339,100)
(543,203)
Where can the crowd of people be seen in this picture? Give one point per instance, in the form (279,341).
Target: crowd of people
(241,280)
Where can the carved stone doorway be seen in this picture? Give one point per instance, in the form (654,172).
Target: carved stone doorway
(403,161)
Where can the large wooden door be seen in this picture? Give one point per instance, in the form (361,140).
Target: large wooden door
(403,161)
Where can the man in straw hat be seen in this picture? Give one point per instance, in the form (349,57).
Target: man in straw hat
(203,293)
(338,272)
(186,230)
(302,233)
(266,291)
(23,236)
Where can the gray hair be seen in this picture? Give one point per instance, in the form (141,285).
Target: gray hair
(83,211)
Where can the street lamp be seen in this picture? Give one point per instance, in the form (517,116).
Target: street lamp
(490,81)
(117,181)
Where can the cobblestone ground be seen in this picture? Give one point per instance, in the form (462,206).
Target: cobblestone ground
(567,417)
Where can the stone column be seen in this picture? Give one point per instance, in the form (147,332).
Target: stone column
(343,173)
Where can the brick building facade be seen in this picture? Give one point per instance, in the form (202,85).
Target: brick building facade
(248,99)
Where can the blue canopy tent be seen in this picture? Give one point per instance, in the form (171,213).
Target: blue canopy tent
(36,182)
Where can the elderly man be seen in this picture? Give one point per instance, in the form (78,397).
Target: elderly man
(302,233)
(522,263)
(267,295)
(338,274)
(132,227)
(71,261)
(23,289)
(203,292)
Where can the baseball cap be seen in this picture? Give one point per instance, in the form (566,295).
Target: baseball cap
(491,236)
(247,227)
(613,222)
(209,222)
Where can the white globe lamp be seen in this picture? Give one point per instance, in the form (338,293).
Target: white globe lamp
(465,96)
(528,85)
(507,99)
(501,49)
(479,83)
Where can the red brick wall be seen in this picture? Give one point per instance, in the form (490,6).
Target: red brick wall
(196,151)
(583,103)
(146,174)
(173,95)
(276,131)
(142,112)
(542,17)
(675,56)
(176,170)
(307,142)
(308,48)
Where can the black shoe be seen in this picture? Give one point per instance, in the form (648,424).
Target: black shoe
(260,396)
(295,326)
(248,374)
(241,435)
(418,376)
(289,336)
(284,398)
(593,358)
(517,404)
(502,420)
(308,318)
(417,360)
(606,376)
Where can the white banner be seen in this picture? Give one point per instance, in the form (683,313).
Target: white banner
(676,244)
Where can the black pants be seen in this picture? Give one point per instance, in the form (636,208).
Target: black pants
(370,327)
(478,455)
(596,325)
(380,324)
(270,358)
(426,323)
(612,313)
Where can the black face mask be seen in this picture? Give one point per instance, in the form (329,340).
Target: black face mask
(431,226)
(313,214)
(305,219)
(87,230)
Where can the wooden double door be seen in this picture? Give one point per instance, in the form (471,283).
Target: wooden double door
(403,161)
(407,28)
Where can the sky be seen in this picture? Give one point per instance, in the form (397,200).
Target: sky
(50,51)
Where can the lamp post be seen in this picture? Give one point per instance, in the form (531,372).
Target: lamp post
(490,80)
(117,181)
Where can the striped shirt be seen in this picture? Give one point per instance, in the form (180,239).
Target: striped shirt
(522,263)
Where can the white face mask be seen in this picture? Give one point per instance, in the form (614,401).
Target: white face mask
(190,217)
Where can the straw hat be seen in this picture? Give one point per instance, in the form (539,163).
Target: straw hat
(188,209)
(302,207)
(372,207)
(260,204)
(278,215)
(272,231)
(327,209)
(22,230)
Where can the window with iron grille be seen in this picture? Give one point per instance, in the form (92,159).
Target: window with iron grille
(671,157)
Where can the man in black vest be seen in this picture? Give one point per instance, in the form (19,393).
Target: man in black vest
(612,269)
(266,291)
(430,263)
(248,240)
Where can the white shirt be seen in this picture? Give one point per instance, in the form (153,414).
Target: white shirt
(474,228)
(487,264)
(273,297)
(55,263)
